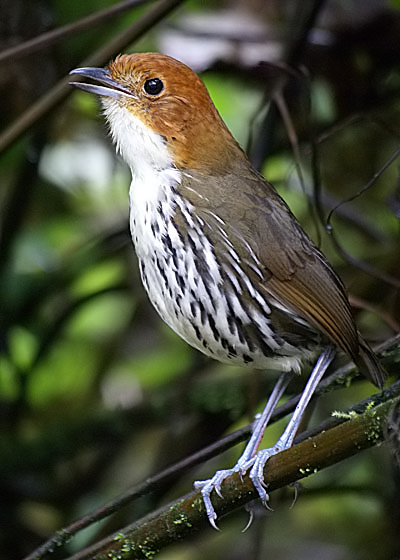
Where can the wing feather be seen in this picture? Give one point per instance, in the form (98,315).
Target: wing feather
(293,270)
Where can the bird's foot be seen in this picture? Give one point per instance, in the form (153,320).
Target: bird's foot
(214,483)
(256,473)
(255,466)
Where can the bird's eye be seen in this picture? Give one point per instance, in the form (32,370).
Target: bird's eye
(154,86)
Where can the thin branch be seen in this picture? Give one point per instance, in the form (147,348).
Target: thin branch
(356,195)
(292,58)
(186,516)
(62,89)
(358,263)
(54,36)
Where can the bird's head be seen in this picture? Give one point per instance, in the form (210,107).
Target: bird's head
(158,108)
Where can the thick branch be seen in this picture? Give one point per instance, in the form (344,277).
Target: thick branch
(186,516)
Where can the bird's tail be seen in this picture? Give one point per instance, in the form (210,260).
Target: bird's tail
(369,365)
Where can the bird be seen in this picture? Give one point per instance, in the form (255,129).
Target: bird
(222,258)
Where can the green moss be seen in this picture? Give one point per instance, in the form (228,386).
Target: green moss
(345,415)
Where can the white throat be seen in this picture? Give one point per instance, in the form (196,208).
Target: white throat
(141,148)
(153,172)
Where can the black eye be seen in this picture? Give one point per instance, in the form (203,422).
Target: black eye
(154,86)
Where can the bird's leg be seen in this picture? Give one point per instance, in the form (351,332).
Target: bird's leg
(256,461)
(247,458)
(286,440)
(262,420)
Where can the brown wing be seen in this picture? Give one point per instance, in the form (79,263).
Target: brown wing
(301,278)
(295,271)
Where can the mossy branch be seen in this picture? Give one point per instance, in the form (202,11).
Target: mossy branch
(186,516)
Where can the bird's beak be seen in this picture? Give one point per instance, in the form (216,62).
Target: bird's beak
(111,88)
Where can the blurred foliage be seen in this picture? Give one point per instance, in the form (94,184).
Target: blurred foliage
(95,392)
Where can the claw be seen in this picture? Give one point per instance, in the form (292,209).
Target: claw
(263,495)
(250,521)
(215,483)
(296,491)
(257,475)
(212,516)
(213,524)
(207,486)
(243,467)
(256,466)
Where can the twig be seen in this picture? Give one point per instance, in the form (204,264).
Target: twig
(54,36)
(358,263)
(292,58)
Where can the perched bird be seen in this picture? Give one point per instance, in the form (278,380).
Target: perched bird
(222,258)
